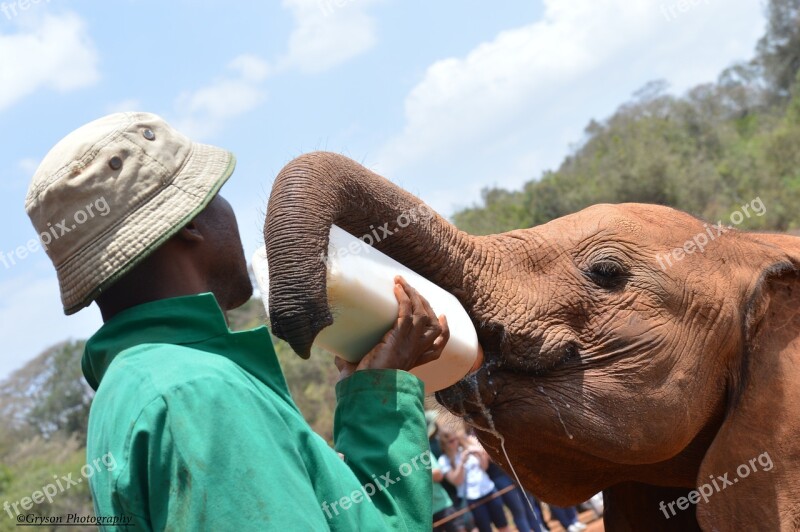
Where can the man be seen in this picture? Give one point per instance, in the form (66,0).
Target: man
(199,419)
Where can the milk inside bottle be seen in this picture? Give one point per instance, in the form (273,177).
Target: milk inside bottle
(360,287)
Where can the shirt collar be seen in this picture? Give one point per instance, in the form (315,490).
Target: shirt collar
(197,320)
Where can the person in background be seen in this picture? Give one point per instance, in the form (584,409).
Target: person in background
(442,504)
(524,519)
(568,517)
(534,511)
(464,464)
(433,432)
(596,503)
(463,521)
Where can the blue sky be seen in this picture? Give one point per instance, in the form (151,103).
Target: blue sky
(444,97)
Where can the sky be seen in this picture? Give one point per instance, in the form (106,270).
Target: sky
(444,98)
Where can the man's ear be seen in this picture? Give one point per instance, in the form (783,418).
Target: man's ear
(190,233)
(750,475)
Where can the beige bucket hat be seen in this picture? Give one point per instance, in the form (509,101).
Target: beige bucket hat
(113,191)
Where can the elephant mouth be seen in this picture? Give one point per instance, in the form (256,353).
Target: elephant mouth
(472,397)
(465,399)
(503,378)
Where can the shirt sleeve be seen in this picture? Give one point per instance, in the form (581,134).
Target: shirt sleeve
(380,428)
(230,468)
(444,464)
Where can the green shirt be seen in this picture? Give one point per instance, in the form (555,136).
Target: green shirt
(205,435)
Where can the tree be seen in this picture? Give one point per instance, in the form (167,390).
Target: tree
(778,51)
(49,394)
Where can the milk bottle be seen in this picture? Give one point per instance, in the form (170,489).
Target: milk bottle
(360,284)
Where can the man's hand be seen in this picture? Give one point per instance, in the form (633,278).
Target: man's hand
(418,336)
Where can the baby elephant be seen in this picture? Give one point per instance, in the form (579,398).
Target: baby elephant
(628,348)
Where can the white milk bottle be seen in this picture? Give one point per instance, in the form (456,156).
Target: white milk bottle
(360,284)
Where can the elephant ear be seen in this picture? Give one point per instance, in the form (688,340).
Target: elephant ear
(751,471)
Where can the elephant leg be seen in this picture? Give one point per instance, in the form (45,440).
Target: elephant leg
(632,506)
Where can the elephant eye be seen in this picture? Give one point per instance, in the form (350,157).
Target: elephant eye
(607,274)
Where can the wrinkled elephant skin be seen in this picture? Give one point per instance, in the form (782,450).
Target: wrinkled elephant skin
(628,348)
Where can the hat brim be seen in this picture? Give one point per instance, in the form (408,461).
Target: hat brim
(96,267)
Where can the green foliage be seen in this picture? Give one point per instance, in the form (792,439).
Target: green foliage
(779,49)
(44,409)
(6,477)
(37,462)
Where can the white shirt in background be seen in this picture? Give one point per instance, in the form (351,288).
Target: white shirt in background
(476,483)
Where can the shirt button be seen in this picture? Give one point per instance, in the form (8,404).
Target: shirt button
(115,163)
(148,134)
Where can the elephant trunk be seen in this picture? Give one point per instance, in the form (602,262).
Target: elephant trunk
(319,189)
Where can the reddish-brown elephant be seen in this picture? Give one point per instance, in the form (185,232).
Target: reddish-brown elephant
(628,348)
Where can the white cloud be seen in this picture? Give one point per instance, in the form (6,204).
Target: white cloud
(55,52)
(327,33)
(510,108)
(204,111)
(31,319)
(252,68)
(28,165)
(128,104)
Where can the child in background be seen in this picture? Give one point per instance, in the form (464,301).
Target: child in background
(464,464)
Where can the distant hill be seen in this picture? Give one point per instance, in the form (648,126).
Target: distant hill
(708,152)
